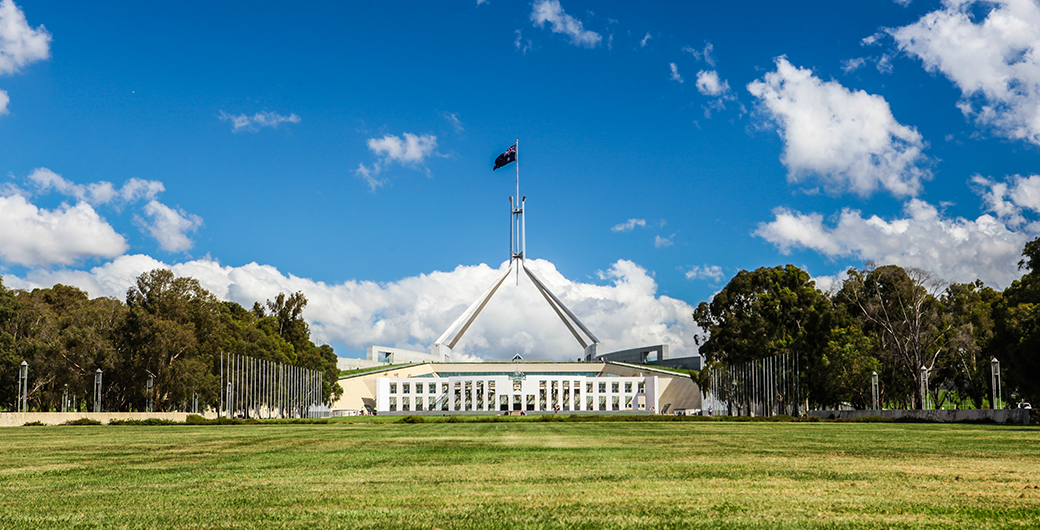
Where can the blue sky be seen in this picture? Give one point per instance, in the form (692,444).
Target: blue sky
(345,149)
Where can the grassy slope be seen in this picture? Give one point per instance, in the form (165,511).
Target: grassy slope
(522,474)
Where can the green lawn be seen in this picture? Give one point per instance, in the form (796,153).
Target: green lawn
(521,474)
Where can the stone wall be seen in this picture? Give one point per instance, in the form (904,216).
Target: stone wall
(17,419)
(1019,416)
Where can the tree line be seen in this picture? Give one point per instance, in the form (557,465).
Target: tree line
(169,329)
(885,319)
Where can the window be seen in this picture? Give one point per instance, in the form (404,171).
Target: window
(393,388)
(433,388)
(614,387)
(603,403)
(641,388)
(393,404)
(405,389)
(404,404)
(588,388)
(628,387)
(602,388)
(418,388)
(615,403)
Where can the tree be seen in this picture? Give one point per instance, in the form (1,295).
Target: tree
(1016,340)
(965,360)
(769,311)
(899,308)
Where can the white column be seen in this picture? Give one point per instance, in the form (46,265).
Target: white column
(382,394)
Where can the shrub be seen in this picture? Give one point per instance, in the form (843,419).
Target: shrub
(411,418)
(36,423)
(82,421)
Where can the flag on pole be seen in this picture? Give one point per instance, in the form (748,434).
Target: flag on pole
(505,158)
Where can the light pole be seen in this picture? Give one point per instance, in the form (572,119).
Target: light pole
(23,388)
(150,390)
(874,390)
(97,390)
(995,379)
(924,388)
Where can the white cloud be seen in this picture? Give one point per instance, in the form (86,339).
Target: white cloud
(366,173)
(522,44)
(32,236)
(414,311)
(4,100)
(642,43)
(956,249)
(661,242)
(411,150)
(169,227)
(454,121)
(707,272)
(994,62)
(847,139)
(19,43)
(675,72)
(851,65)
(550,11)
(704,55)
(95,193)
(628,225)
(242,122)
(708,83)
(1009,199)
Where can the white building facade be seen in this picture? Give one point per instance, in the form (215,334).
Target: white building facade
(497,393)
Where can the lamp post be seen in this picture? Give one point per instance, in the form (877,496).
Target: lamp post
(924,388)
(97,390)
(23,387)
(150,391)
(874,391)
(995,380)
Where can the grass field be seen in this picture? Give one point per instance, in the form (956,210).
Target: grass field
(522,475)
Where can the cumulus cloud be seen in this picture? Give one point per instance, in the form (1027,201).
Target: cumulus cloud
(646,39)
(1012,199)
(559,22)
(168,226)
(957,249)
(412,150)
(847,139)
(628,225)
(412,312)
(95,193)
(33,236)
(675,72)
(995,62)
(707,272)
(243,122)
(708,83)
(20,44)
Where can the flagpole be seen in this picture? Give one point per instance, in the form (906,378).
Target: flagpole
(519,236)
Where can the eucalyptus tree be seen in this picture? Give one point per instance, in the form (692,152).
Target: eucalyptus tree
(899,308)
(1016,341)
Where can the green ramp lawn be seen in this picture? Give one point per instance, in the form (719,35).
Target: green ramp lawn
(522,474)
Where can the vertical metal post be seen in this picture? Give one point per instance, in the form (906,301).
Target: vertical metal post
(874,391)
(23,387)
(995,381)
(97,390)
(924,388)
(151,390)
(65,399)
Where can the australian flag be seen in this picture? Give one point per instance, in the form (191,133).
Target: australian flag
(505,158)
